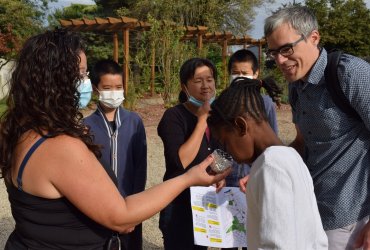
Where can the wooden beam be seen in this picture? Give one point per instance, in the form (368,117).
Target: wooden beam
(100,20)
(65,23)
(103,23)
(77,22)
(126,59)
(199,43)
(125,19)
(115,47)
(152,72)
(224,57)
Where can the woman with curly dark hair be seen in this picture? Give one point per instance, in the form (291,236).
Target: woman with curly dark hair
(60,195)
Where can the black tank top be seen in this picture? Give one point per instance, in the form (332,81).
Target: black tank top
(42,223)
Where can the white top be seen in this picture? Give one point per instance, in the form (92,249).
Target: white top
(282,209)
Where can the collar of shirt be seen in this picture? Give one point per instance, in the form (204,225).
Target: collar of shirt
(316,74)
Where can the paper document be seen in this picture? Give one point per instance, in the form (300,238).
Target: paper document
(219,219)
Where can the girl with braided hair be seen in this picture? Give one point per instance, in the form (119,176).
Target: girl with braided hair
(282,209)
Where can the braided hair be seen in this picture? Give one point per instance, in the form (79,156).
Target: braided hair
(241,98)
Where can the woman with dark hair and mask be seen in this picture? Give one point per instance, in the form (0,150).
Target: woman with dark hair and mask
(187,141)
(61,196)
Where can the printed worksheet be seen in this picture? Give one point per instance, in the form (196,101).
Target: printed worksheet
(219,219)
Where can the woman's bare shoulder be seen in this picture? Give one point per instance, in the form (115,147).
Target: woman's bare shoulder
(65,144)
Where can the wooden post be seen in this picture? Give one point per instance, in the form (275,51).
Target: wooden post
(115,47)
(126,59)
(152,73)
(260,57)
(224,56)
(199,43)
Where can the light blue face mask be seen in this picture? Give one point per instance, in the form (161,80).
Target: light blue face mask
(85,90)
(198,103)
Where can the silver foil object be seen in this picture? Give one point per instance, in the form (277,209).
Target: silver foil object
(222,161)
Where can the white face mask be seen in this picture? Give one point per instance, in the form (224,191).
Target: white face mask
(111,98)
(232,77)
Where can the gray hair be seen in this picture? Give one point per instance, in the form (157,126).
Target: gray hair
(301,18)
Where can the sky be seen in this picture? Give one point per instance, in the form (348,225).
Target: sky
(257,31)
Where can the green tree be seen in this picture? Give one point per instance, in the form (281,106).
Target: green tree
(19,19)
(165,16)
(170,53)
(109,6)
(40,7)
(99,44)
(231,15)
(344,25)
(73,11)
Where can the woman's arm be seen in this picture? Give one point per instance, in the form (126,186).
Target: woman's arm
(76,174)
(189,150)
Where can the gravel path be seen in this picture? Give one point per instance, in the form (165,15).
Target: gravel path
(151,235)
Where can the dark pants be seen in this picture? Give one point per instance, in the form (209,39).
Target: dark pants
(133,240)
(176,224)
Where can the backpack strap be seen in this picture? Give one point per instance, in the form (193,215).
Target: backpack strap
(334,88)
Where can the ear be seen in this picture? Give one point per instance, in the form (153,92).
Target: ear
(184,89)
(241,125)
(315,37)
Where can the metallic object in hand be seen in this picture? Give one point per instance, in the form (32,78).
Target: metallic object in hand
(222,161)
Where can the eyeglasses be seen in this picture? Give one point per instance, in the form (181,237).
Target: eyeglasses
(285,50)
(85,74)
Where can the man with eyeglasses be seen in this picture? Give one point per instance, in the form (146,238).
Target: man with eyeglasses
(334,146)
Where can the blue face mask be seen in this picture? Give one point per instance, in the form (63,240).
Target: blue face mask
(85,90)
(198,103)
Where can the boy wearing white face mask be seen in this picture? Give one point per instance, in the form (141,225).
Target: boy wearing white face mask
(122,136)
(243,63)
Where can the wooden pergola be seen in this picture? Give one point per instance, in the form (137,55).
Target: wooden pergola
(115,25)
(225,39)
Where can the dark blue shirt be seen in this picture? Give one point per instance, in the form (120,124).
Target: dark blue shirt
(124,148)
(336,145)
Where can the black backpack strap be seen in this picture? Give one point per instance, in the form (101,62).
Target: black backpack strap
(333,86)
(293,95)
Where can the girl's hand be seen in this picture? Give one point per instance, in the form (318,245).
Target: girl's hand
(219,185)
(363,239)
(243,183)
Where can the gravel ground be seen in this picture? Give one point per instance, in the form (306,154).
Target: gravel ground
(150,110)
